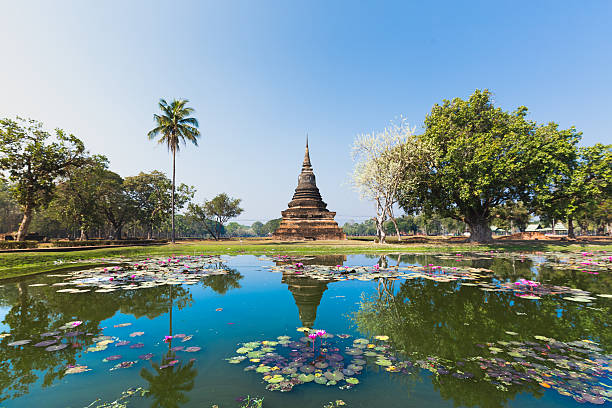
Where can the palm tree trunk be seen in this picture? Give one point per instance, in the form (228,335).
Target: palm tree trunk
(173,181)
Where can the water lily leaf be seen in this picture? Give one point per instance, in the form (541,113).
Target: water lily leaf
(19,342)
(275,379)
(147,356)
(307,369)
(263,369)
(193,349)
(334,376)
(77,369)
(112,358)
(383,362)
(56,347)
(45,343)
(382,338)
(122,325)
(306,377)
(320,380)
(137,345)
(136,334)
(352,380)
(125,364)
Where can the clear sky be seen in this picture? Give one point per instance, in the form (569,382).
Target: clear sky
(262,74)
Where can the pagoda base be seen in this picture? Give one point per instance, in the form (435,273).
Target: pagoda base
(299,224)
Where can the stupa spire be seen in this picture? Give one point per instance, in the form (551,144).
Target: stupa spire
(306,163)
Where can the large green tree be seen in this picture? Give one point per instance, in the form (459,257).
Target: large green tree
(116,204)
(78,196)
(33,164)
(175,125)
(152,193)
(213,214)
(9,209)
(586,181)
(482,157)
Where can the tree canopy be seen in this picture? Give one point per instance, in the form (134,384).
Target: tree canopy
(213,214)
(33,164)
(481,157)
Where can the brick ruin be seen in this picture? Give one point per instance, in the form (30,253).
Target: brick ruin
(307,217)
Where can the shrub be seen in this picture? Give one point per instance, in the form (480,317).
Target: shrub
(18,244)
(98,242)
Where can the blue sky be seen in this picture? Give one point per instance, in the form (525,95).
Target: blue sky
(262,74)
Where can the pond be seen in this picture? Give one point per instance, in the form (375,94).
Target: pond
(477,329)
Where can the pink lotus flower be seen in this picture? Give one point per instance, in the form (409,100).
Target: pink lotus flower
(167,339)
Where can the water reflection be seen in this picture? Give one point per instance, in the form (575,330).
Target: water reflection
(452,322)
(308,292)
(168,385)
(33,311)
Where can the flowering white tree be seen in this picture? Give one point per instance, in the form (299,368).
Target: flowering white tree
(383,162)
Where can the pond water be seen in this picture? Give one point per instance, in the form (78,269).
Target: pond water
(401,330)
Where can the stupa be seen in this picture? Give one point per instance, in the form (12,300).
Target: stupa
(307,217)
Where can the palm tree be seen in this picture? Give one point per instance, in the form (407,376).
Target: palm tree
(175,125)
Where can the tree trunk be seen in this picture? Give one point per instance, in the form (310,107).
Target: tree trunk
(570,228)
(553,226)
(399,237)
(480,231)
(83,236)
(25,223)
(380,222)
(118,231)
(173,183)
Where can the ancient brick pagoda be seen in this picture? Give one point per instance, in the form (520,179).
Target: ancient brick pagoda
(307,217)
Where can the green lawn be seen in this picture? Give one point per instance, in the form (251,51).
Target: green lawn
(16,264)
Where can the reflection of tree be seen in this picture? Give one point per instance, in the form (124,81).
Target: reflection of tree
(34,311)
(153,302)
(426,318)
(168,386)
(222,283)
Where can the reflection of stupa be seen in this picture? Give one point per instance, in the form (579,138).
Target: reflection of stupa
(307,216)
(308,292)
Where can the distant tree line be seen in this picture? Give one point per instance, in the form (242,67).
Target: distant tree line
(50,184)
(483,166)
(408,225)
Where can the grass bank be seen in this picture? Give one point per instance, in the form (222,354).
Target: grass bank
(26,263)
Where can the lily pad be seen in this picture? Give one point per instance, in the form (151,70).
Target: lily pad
(306,377)
(45,343)
(57,347)
(19,342)
(77,369)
